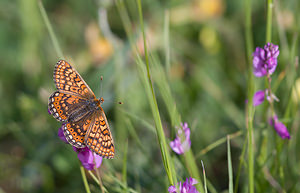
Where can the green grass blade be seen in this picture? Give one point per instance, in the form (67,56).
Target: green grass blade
(85,182)
(51,31)
(229,166)
(154,107)
(241,163)
(251,87)
(204,177)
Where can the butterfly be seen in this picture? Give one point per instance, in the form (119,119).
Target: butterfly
(75,104)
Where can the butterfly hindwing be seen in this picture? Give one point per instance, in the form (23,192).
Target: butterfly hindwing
(75,132)
(98,137)
(68,80)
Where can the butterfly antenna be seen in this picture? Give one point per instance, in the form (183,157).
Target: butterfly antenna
(101,80)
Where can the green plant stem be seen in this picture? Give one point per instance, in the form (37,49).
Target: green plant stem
(204,177)
(241,163)
(85,182)
(269,39)
(50,30)
(250,109)
(229,166)
(94,177)
(217,143)
(193,169)
(269,21)
(155,111)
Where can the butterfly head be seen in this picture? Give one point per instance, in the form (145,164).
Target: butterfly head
(101,100)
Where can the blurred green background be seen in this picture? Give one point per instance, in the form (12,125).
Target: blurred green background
(207,76)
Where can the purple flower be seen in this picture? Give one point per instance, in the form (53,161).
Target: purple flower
(265,60)
(177,145)
(280,128)
(258,97)
(185,187)
(61,135)
(89,160)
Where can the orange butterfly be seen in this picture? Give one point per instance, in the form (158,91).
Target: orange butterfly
(76,105)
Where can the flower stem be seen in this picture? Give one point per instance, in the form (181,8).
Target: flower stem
(270,95)
(268,39)
(85,182)
(250,109)
(269,21)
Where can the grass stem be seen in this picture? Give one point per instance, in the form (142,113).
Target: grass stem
(155,111)
(250,109)
(51,31)
(85,182)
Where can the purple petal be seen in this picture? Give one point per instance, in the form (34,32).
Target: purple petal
(256,62)
(193,181)
(172,189)
(262,53)
(258,97)
(185,187)
(176,146)
(279,127)
(281,130)
(98,160)
(258,73)
(276,53)
(87,158)
(61,135)
(183,133)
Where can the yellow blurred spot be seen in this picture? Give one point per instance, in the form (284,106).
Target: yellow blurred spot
(209,39)
(100,48)
(206,9)
(197,10)
(180,14)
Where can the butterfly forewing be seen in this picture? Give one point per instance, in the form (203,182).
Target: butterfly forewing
(68,80)
(61,105)
(98,138)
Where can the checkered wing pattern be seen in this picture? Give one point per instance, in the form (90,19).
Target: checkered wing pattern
(75,104)
(99,138)
(75,132)
(68,81)
(61,105)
